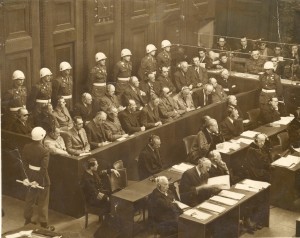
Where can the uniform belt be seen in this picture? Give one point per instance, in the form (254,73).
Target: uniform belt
(123,79)
(14,109)
(99,84)
(269,90)
(34,168)
(67,96)
(43,101)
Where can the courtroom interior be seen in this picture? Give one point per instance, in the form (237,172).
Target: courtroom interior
(150,118)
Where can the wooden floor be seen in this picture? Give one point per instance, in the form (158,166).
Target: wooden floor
(282,222)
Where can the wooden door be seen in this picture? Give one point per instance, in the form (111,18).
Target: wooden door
(62,37)
(20,45)
(102,33)
(138,28)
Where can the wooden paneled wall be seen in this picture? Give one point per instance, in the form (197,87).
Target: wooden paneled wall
(43,33)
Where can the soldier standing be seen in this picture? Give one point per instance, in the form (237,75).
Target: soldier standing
(148,63)
(164,57)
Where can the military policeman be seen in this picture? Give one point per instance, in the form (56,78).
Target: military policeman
(164,57)
(122,71)
(14,99)
(35,175)
(98,77)
(270,85)
(41,93)
(148,63)
(63,85)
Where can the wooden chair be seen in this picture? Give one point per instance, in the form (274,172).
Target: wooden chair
(283,148)
(118,165)
(118,183)
(188,141)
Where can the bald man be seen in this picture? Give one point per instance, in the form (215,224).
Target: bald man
(85,109)
(22,125)
(182,78)
(184,100)
(110,100)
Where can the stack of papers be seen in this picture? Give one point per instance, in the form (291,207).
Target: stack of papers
(197,214)
(289,162)
(255,184)
(85,153)
(246,187)
(283,121)
(211,207)
(243,140)
(249,134)
(226,201)
(223,181)
(226,147)
(233,195)
(20,234)
(121,138)
(181,205)
(182,167)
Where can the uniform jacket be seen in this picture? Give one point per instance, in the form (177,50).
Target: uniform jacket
(77,144)
(39,91)
(122,70)
(254,66)
(15,97)
(231,129)
(149,162)
(163,59)
(270,82)
(129,122)
(62,86)
(149,116)
(148,64)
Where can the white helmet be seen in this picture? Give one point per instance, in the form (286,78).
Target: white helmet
(18,74)
(45,72)
(64,65)
(165,43)
(150,48)
(38,133)
(268,65)
(125,52)
(100,56)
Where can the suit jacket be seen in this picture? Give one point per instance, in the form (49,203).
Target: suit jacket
(294,130)
(149,116)
(86,112)
(166,82)
(107,102)
(269,114)
(181,79)
(198,75)
(184,104)
(96,134)
(145,87)
(218,170)
(187,188)
(113,129)
(19,127)
(231,129)
(129,93)
(280,69)
(149,162)
(76,144)
(228,85)
(129,121)
(168,108)
(218,94)
(207,61)
(200,99)
(37,155)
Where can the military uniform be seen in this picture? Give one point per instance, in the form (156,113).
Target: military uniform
(163,59)
(97,87)
(270,87)
(148,64)
(122,72)
(254,66)
(40,95)
(63,86)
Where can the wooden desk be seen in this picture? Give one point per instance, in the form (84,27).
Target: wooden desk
(225,224)
(285,189)
(124,202)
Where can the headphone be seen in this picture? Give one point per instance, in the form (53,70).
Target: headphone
(256,136)
(151,138)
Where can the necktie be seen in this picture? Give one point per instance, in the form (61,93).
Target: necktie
(80,139)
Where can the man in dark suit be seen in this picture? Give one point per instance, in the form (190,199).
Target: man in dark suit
(133,92)
(95,131)
(182,78)
(231,126)
(218,93)
(197,73)
(221,45)
(149,86)
(206,141)
(193,186)
(163,209)
(149,116)
(129,119)
(218,166)
(110,100)
(204,96)
(85,109)
(164,80)
(278,66)
(294,128)
(21,125)
(245,49)
(205,62)
(227,83)
(76,139)
(150,162)
(35,160)
(273,111)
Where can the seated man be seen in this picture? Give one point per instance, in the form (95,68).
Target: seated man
(227,83)
(149,117)
(224,63)
(255,64)
(294,128)
(149,86)
(55,143)
(163,208)
(110,99)
(218,166)
(197,73)
(113,126)
(203,97)
(206,141)
(62,115)
(95,192)
(21,125)
(273,111)
(193,186)
(184,100)
(150,162)
(45,119)
(182,78)
(218,94)
(95,131)
(168,108)
(133,92)
(258,158)
(85,109)
(278,66)
(164,80)
(77,142)
(231,127)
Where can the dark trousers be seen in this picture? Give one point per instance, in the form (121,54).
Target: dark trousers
(42,198)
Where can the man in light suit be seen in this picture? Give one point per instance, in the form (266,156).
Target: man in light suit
(76,139)
(184,100)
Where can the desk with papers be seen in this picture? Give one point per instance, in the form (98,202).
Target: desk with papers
(285,180)
(220,215)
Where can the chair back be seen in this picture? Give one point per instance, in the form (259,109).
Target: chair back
(283,138)
(118,165)
(118,183)
(188,141)
(254,114)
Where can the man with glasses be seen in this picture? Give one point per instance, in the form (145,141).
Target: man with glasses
(21,124)
(77,142)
